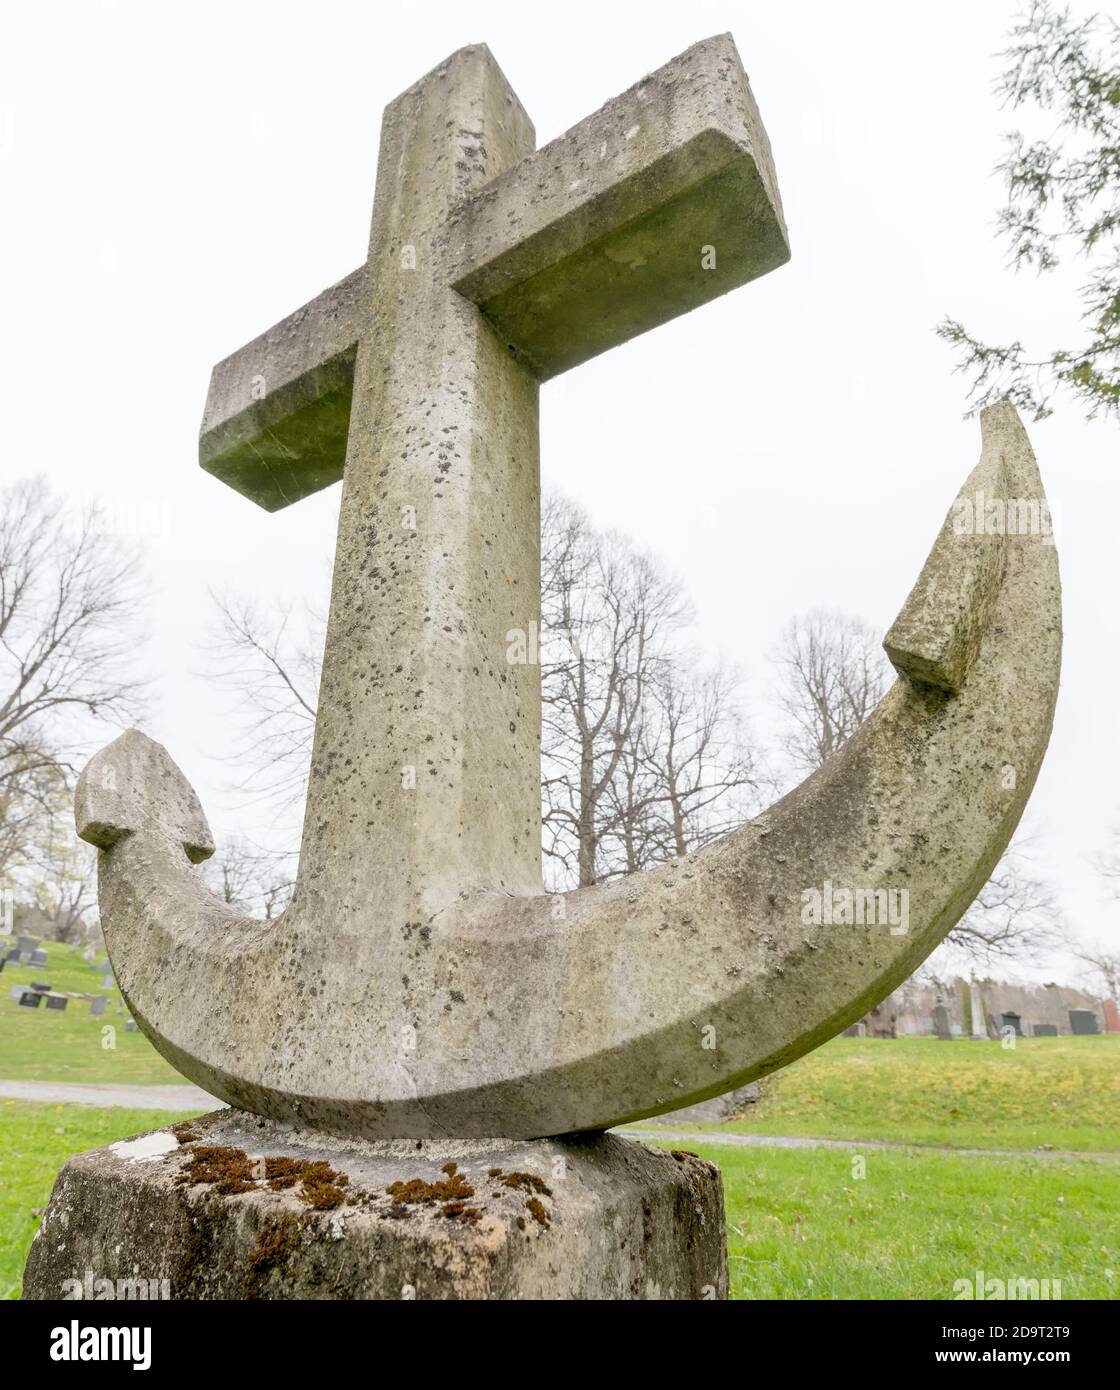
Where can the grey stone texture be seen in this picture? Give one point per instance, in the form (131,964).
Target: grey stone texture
(662,200)
(388,1002)
(595,1217)
(422,984)
(422,992)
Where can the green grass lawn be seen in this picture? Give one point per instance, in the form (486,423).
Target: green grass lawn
(44,1045)
(35,1141)
(1062,1092)
(801,1225)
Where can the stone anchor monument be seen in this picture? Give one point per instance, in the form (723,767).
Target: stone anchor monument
(403,1046)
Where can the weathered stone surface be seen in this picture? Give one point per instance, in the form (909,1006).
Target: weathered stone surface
(499,1012)
(714,1111)
(586,1218)
(140,785)
(937,635)
(601,235)
(664,199)
(422,983)
(278,410)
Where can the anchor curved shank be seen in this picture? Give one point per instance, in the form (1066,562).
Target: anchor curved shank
(532,1015)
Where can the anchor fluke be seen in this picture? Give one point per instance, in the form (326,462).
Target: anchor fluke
(531,1014)
(133,785)
(936,637)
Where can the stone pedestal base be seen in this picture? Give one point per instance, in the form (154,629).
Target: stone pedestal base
(234,1206)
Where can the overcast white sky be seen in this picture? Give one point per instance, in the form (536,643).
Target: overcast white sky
(177,179)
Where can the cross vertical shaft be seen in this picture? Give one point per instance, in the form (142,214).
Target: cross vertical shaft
(425,773)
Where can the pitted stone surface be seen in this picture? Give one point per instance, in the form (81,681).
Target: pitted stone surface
(517,1018)
(421,983)
(587,1218)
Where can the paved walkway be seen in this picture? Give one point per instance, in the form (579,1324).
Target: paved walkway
(194,1098)
(133,1097)
(787,1141)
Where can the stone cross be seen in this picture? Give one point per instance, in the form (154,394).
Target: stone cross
(491,268)
(421,983)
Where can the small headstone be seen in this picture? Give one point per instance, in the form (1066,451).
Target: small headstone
(29,999)
(38,959)
(97,1006)
(1045,1030)
(1083,1023)
(40,986)
(57,1001)
(17,991)
(28,943)
(979,1016)
(107,982)
(130,1026)
(1012,1020)
(941,1023)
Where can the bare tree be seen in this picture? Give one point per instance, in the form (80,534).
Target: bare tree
(1104,965)
(1108,864)
(66,890)
(271,665)
(689,773)
(607,616)
(642,758)
(833,674)
(1014,916)
(1103,960)
(68,637)
(250,878)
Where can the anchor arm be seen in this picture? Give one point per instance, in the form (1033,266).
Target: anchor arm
(663,199)
(647,993)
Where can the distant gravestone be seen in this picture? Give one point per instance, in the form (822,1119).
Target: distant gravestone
(40,986)
(979,1014)
(29,999)
(97,1006)
(941,1023)
(58,1002)
(38,959)
(27,944)
(107,982)
(1083,1023)
(1045,1030)
(1014,1021)
(130,1026)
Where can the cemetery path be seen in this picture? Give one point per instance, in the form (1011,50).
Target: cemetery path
(194,1098)
(132,1097)
(787,1141)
